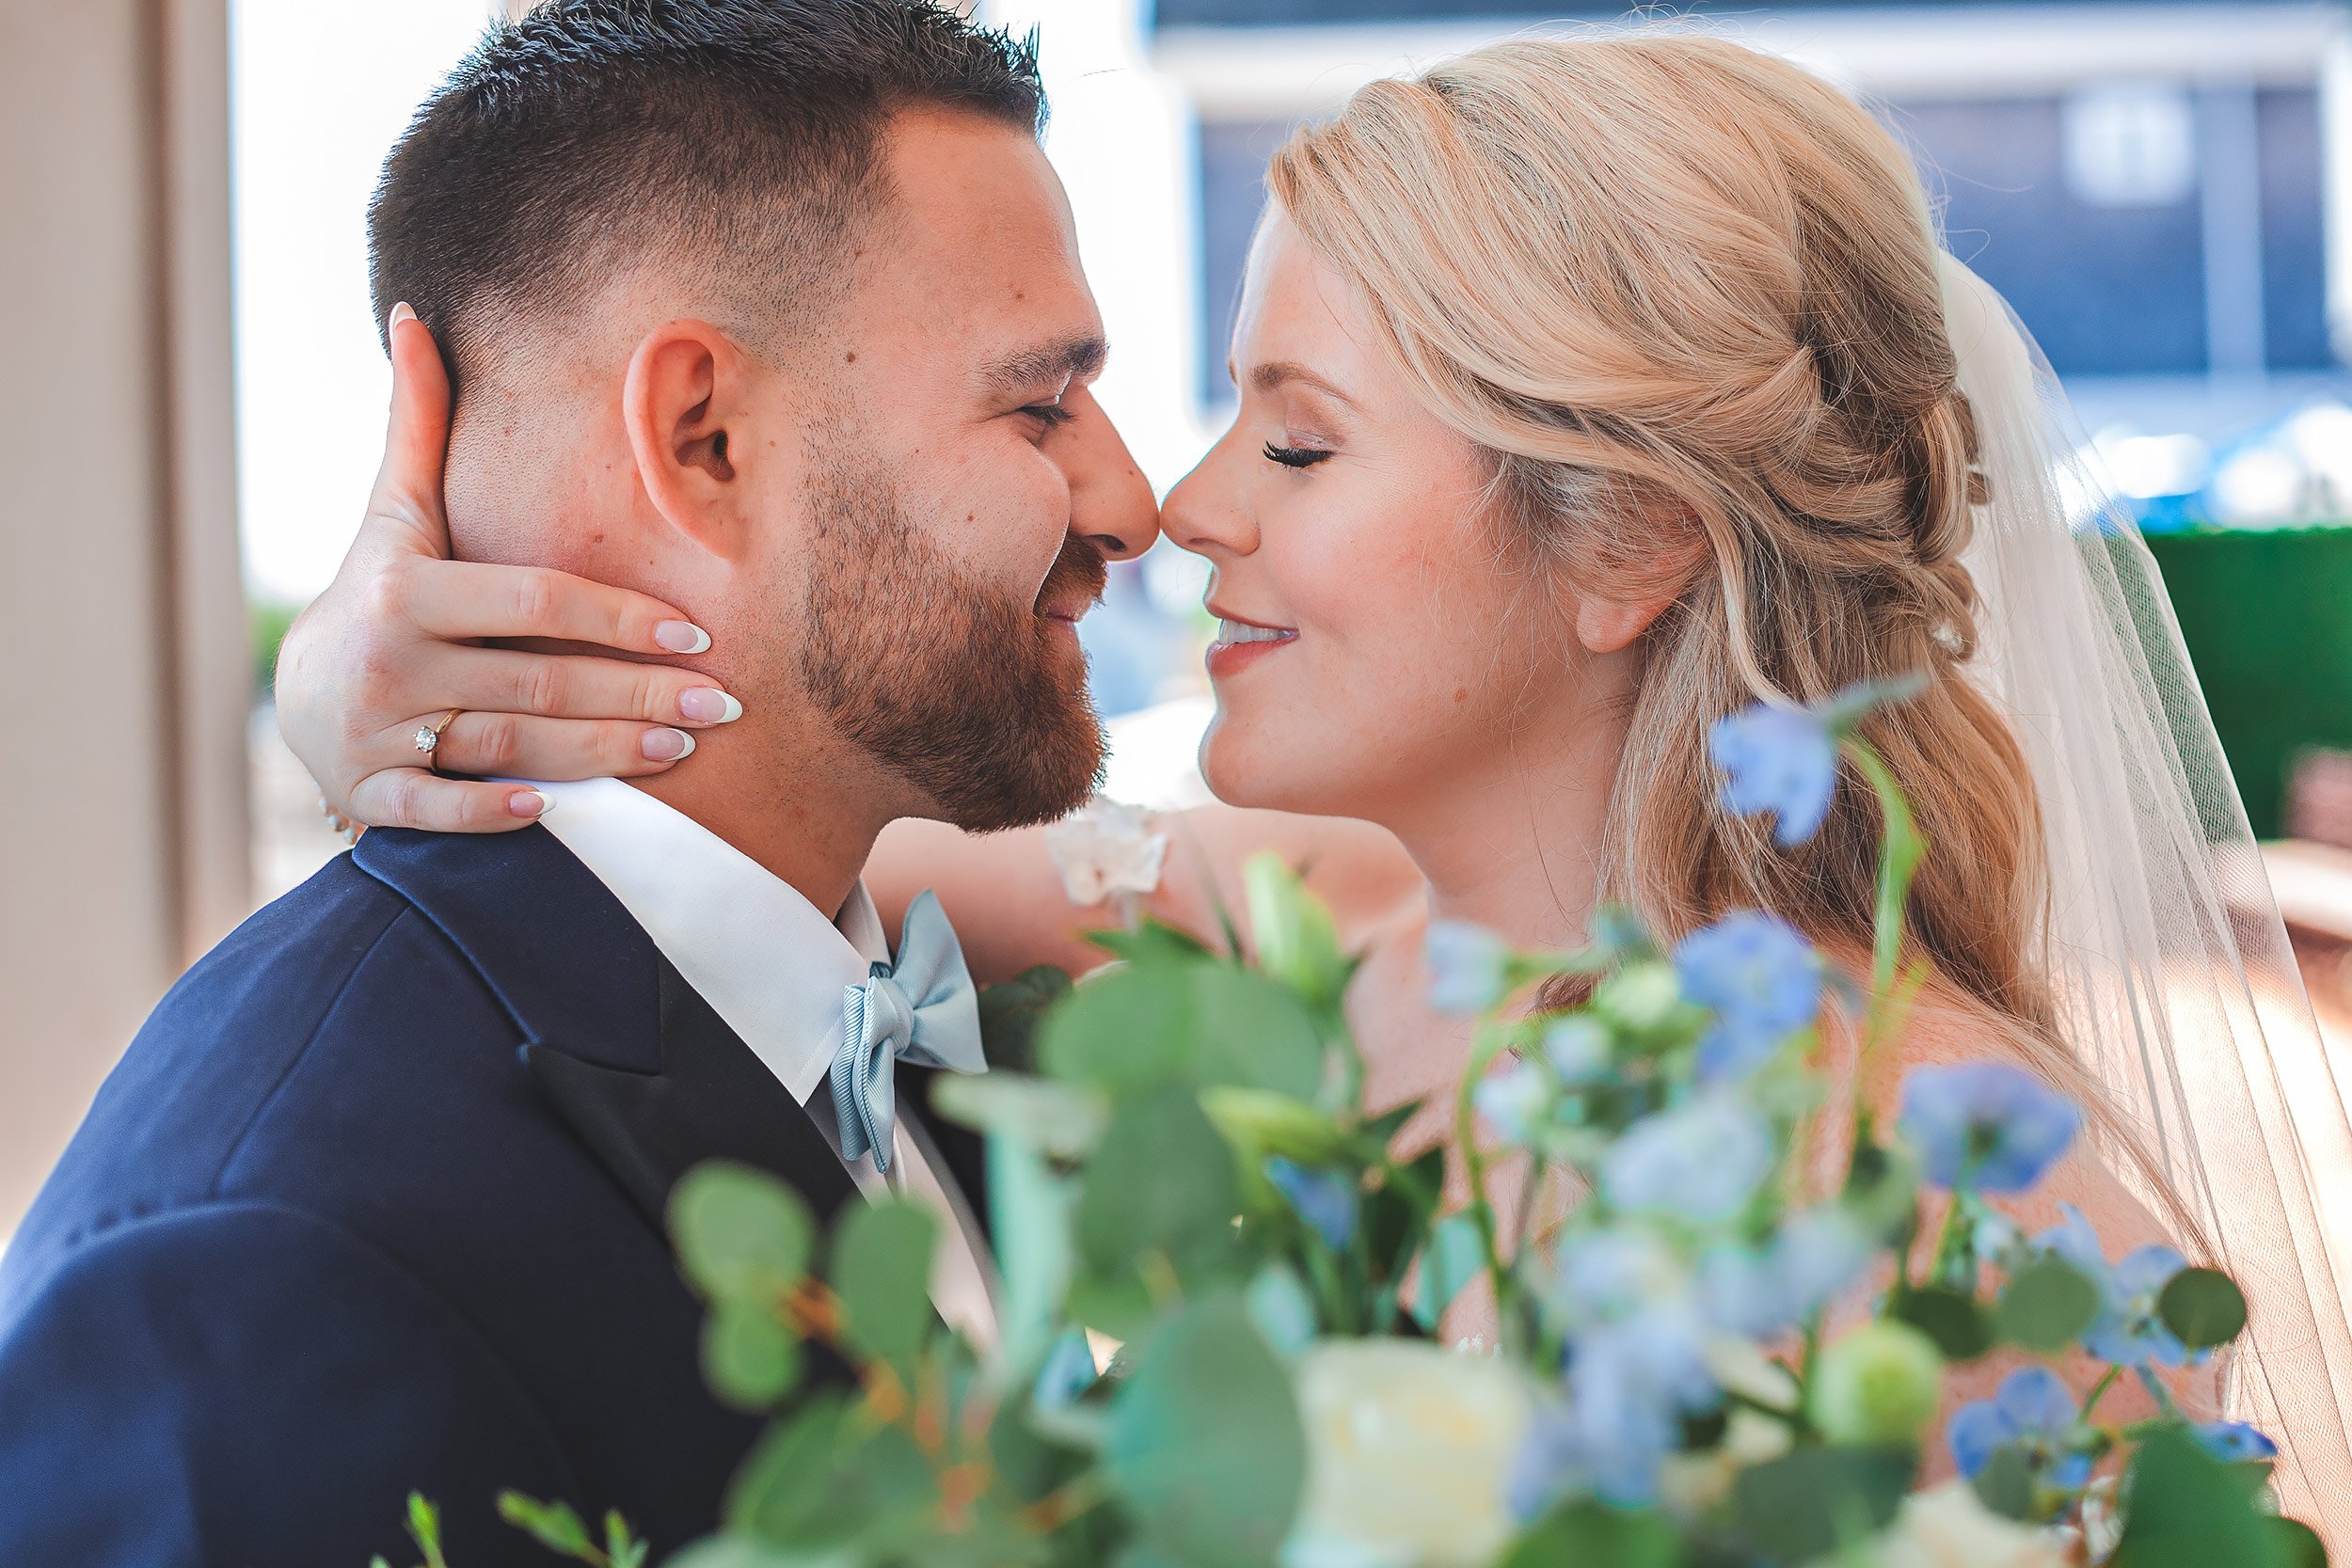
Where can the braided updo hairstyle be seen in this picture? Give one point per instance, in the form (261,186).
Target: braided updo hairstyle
(1684,297)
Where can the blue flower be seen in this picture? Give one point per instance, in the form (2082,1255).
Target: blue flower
(1702,1161)
(2131,1331)
(1551,1460)
(1763,981)
(1615,1272)
(1469,968)
(1069,1371)
(1778,760)
(2074,1239)
(2235,1442)
(1996,1127)
(1759,1294)
(1578,1049)
(1324,1199)
(2033,1410)
(1629,1382)
(1513,1102)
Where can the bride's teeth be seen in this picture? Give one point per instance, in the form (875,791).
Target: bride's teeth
(1242,631)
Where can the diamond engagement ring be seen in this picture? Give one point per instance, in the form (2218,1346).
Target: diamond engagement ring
(428,737)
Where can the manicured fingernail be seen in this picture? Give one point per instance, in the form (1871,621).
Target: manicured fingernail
(666,745)
(681,637)
(707,705)
(402,313)
(529,802)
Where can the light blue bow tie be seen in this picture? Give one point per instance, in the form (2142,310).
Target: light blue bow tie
(921,1009)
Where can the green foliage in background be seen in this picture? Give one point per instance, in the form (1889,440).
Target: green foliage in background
(2267,617)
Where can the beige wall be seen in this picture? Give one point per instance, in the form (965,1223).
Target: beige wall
(122,814)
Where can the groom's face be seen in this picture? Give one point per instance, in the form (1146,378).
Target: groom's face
(961,489)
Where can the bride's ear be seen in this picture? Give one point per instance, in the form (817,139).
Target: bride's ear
(1618,607)
(683,402)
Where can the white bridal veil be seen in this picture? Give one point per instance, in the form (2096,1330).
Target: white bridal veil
(2173,973)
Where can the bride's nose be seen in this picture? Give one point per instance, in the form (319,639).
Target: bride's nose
(1204,513)
(1111,505)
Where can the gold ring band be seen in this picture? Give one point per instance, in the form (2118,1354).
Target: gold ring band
(428,737)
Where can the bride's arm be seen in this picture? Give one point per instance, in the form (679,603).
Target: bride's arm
(1006,894)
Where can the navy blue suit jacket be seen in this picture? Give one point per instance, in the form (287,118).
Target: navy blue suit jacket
(370,1204)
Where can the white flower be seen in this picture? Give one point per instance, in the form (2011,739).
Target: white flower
(1949,1528)
(1408,1445)
(1104,851)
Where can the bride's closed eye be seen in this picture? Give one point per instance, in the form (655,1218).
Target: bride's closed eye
(1296,457)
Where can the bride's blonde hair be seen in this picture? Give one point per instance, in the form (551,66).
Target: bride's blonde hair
(1684,296)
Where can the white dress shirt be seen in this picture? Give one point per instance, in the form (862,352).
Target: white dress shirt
(776,970)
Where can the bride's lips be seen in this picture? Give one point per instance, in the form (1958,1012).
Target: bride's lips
(1241,642)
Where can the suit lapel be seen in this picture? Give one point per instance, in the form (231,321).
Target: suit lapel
(635,1062)
(711,1099)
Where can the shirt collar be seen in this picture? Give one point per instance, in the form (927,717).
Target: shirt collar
(764,957)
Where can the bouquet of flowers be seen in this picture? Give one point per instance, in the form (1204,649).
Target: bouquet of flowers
(1223,1281)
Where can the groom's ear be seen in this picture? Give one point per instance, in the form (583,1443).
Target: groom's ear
(685,404)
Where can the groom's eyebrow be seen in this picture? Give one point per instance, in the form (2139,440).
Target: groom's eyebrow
(1048,365)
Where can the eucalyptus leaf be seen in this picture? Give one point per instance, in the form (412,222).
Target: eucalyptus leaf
(825,1481)
(1137,1029)
(1456,1255)
(1162,1184)
(1034,1253)
(750,1359)
(2047,1305)
(1588,1534)
(2295,1543)
(1281,1306)
(1957,1324)
(1061,1120)
(2006,1484)
(740,1233)
(2202,1307)
(882,1271)
(1204,1445)
(1804,1504)
(1120,1306)
(1297,941)
(2190,1510)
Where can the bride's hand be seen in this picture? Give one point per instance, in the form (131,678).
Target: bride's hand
(390,648)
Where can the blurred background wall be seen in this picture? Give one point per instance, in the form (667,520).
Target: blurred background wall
(2163,188)
(123,825)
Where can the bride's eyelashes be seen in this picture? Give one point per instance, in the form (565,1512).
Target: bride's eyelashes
(1296,457)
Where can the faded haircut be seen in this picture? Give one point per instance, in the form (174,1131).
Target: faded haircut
(738,141)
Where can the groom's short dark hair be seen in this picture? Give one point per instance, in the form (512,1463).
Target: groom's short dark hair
(738,138)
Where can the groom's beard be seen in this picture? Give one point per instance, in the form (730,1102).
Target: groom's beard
(971,696)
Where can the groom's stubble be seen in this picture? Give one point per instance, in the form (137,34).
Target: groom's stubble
(960,690)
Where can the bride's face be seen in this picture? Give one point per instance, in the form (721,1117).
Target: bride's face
(1392,651)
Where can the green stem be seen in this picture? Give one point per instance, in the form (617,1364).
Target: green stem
(1900,853)
(1491,1044)
(2098,1392)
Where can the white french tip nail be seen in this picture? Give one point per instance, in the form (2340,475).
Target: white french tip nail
(681,637)
(545,803)
(735,709)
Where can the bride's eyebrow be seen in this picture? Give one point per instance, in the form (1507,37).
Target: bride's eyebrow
(1273,377)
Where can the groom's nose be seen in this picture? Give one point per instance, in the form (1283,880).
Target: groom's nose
(1111,504)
